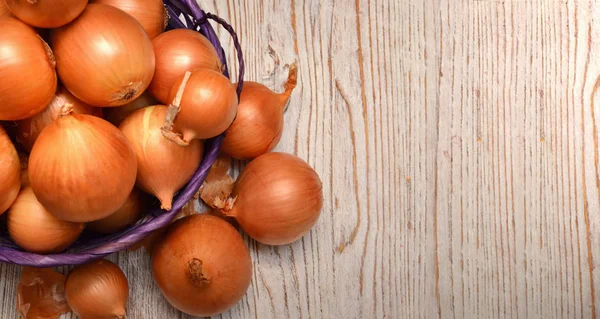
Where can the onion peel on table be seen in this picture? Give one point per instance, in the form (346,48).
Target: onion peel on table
(41,294)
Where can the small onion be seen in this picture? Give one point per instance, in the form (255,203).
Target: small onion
(10,172)
(259,123)
(34,229)
(27,76)
(46,13)
(116,115)
(97,290)
(151,14)
(279,198)
(204,105)
(82,168)
(29,129)
(178,51)
(202,266)
(111,66)
(133,209)
(163,166)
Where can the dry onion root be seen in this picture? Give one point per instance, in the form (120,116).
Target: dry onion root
(41,294)
(46,13)
(10,172)
(151,14)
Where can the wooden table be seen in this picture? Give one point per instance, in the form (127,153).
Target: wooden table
(457,141)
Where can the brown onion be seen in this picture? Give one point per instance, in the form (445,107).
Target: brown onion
(279,198)
(202,266)
(163,166)
(110,66)
(133,209)
(46,13)
(29,129)
(34,229)
(116,115)
(27,76)
(10,172)
(97,290)
(151,14)
(204,105)
(258,125)
(178,51)
(82,168)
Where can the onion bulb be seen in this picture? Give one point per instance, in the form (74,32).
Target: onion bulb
(27,76)
(34,229)
(97,290)
(178,51)
(29,129)
(202,266)
(151,14)
(129,213)
(163,166)
(10,172)
(46,13)
(279,198)
(82,168)
(116,115)
(259,123)
(204,105)
(110,66)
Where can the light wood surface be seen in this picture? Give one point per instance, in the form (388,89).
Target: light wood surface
(457,142)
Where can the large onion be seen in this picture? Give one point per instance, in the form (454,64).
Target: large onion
(104,57)
(46,13)
(82,168)
(178,51)
(151,14)
(27,76)
(10,172)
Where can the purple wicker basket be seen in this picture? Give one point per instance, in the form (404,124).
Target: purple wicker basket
(89,248)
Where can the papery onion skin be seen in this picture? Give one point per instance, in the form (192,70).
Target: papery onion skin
(163,166)
(116,63)
(178,51)
(151,14)
(29,129)
(46,13)
(27,76)
(10,172)
(82,168)
(98,289)
(278,198)
(202,265)
(133,209)
(116,115)
(34,229)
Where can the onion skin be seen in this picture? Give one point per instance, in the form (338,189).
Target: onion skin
(29,129)
(97,290)
(116,115)
(10,172)
(46,13)
(133,209)
(279,199)
(118,54)
(202,266)
(24,93)
(163,166)
(90,177)
(151,14)
(34,229)
(178,51)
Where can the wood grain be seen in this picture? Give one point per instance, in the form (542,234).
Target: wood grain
(457,142)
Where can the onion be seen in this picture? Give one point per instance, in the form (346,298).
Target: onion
(10,172)
(202,266)
(97,290)
(163,166)
(129,213)
(82,168)
(110,66)
(178,51)
(27,76)
(29,129)
(279,198)
(204,105)
(116,115)
(259,123)
(151,14)
(46,13)
(34,229)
